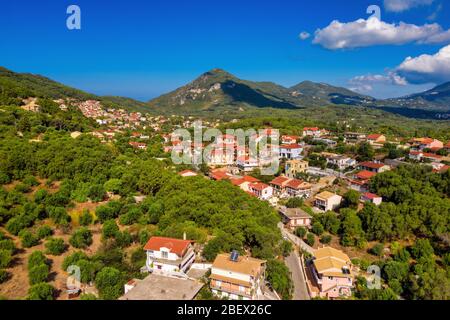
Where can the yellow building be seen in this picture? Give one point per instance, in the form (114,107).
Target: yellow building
(295,166)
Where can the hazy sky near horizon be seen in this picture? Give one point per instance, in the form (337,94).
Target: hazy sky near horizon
(143,48)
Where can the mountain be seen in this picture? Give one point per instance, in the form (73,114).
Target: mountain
(436,99)
(217,89)
(328,93)
(24,85)
(434,103)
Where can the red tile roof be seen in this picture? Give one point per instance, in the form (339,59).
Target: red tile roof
(279,181)
(370,196)
(259,186)
(290,146)
(310,129)
(372,165)
(294,184)
(176,246)
(374,136)
(365,175)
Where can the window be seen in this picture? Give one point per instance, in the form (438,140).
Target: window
(218,283)
(165,254)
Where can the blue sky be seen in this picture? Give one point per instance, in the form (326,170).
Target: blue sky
(143,48)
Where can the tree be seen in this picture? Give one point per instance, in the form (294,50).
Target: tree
(41,291)
(325,239)
(36,258)
(422,248)
(55,246)
(330,222)
(351,199)
(300,232)
(365,152)
(223,242)
(38,274)
(88,296)
(317,228)
(5,258)
(113,185)
(44,232)
(81,238)
(28,239)
(110,229)
(86,218)
(109,282)
(310,239)
(295,202)
(377,249)
(278,275)
(286,248)
(352,233)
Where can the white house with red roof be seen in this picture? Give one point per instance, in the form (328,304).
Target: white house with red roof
(312,132)
(279,185)
(371,197)
(290,151)
(426,143)
(360,181)
(261,190)
(244,182)
(169,255)
(289,139)
(298,188)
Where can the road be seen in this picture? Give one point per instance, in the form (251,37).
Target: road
(294,239)
(295,266)
(300,290)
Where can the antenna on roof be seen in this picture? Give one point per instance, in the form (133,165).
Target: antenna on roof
(234,256)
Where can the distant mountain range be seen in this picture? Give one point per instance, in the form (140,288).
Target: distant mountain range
(217,92)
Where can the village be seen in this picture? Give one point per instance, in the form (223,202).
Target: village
(318,177)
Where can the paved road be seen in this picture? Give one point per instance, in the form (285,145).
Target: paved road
(300,290)
(295,266)
(296,240)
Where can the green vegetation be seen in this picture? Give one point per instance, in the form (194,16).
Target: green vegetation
(279,277)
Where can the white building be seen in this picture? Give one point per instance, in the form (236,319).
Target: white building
(327,201)
(290,151)
(169,255)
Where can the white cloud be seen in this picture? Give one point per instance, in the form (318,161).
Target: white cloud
(371,32)
(365,83)
(304,35)
(403,5)
(427,68)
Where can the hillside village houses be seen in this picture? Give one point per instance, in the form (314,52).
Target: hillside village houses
(330,274)
(237,277)
(327,201)
(294,167)
(169,255)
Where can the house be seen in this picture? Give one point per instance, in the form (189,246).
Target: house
(354,136)
(327,201)
(376,138)
(373,167)
(219,175)
(360,181)
(290,139)
(279,185)
(290,151)
(371,197)
(293,218)
(244,182)
(261,190)
(247,164)
(160,287)
(298,188)
(293,167)
(420,156)
(220,157)
(187,173)
(138,145)
(312,132)
(426,143)
(236,277)
(169,255)
(331,273)
(340,161)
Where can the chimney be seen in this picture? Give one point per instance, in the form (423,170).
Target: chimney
(184,235)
